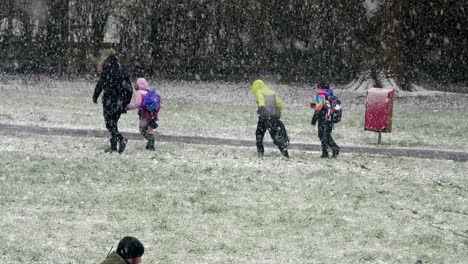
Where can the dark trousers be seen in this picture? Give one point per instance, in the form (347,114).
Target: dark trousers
(277,131)
(147,130)
(111,118)
(325,129)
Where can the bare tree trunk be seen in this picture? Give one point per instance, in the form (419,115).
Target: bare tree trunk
(392,45)
(8,12)
(57,33)
(382,60)
(100,15)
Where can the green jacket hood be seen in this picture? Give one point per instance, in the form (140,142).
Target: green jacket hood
(267,100)
(259,86)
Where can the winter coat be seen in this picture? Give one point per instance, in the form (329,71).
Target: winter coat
(144,114)
(269,103)
(321,105)
(114,258)
(117,91)
(142,89)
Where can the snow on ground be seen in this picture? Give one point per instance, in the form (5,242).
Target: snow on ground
(212,204)
(230,92)
(227,109)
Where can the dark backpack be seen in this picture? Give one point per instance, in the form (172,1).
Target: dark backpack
(334,109)
(151,102)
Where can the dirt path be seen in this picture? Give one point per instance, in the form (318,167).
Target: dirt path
(386,151)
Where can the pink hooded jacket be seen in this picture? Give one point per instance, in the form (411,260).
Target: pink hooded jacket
(142,88)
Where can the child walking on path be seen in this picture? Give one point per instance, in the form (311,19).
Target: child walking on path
(148,103)
(325,123)
(269,111)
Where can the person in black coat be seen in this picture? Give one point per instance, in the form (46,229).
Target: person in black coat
(117,94)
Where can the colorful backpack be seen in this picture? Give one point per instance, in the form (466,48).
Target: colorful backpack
(334,108)
(151,102)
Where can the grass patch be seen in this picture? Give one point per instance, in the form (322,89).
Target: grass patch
(65,201)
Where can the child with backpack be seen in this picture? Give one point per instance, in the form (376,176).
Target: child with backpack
(148,103)
(327,112)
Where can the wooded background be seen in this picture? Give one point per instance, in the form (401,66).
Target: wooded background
(295,40)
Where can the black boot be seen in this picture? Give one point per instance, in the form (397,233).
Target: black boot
(113,145)
(150,145)
(122,144)
(324,154)
(336,152)
(285,153)
(260,150)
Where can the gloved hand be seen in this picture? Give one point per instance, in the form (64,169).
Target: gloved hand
(95,100)
(314,120)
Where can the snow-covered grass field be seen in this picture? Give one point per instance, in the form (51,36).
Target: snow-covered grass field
(65,201)
(420,119)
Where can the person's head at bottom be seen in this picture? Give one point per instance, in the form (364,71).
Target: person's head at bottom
(130,249)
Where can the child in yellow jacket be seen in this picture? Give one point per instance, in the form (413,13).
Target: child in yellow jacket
(269,111)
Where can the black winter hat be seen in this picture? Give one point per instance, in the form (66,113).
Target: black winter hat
(130,247)
(324,85)
(111,63)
